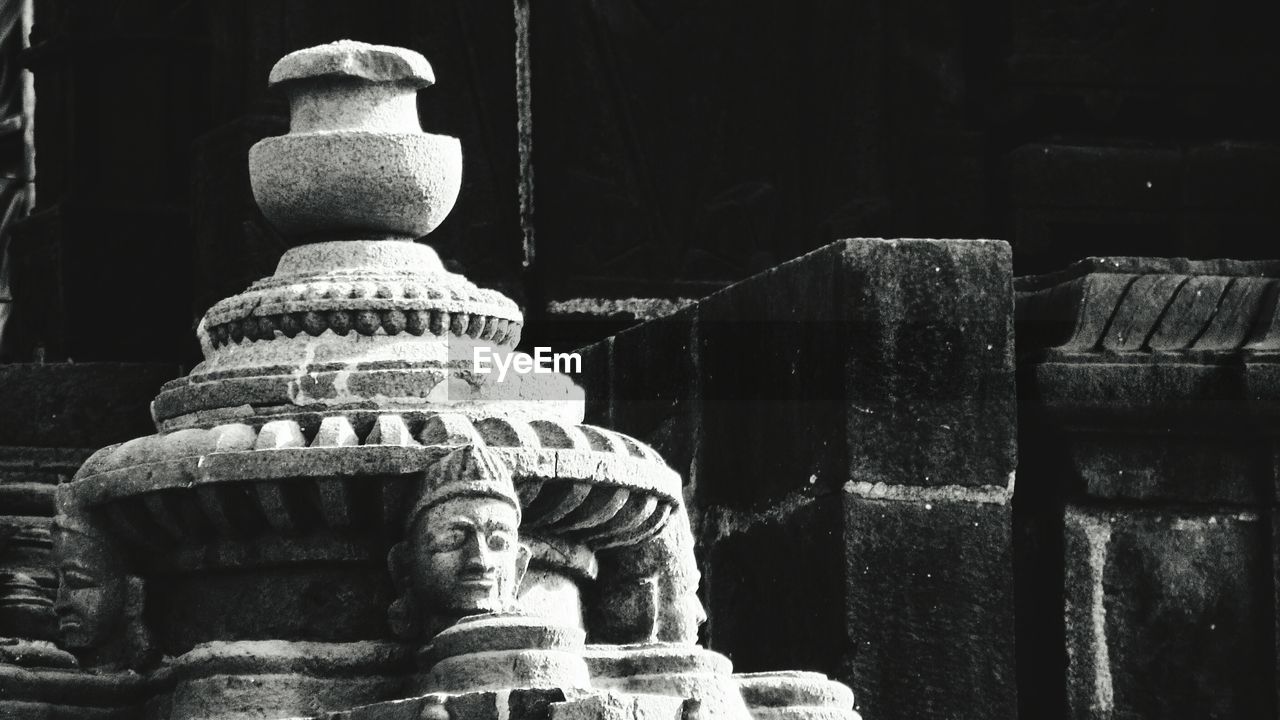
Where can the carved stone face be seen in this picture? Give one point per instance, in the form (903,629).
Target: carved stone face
(91,599)
(466,557)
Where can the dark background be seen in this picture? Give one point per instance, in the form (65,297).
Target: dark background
(677,146)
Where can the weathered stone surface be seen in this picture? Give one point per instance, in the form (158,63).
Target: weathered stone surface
(342,602)
(64,694)
(618,706)
(929,607)
(771,359)
(1153,375)
(348,59)
(675,669)
(355,161)
(486,633)
(1162,614)
(930,373)
(917,374)
(291,458)
(793,688)
(882,365)
(524,704)
(461,554)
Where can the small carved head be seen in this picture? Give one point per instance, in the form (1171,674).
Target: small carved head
(461,553)
(93,589)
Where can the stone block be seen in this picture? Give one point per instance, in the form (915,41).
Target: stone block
(619,706)
(1162,614)
(1172,467)
(929,375)
(335,603)
(904,346)
(78,405)
(928,585)
(1133,366)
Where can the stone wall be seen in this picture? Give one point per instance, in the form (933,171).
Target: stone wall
(1147,488)
(847,445)
(845,426)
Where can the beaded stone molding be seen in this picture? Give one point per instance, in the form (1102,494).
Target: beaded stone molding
(439,305)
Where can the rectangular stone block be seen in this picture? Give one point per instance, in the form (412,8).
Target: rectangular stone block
(884,366)
(929,603)
(929,374)
(617,706)
(1163,610)
(872,360)
(1175,468)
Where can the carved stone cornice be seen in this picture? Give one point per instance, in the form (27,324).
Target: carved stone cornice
(1153,334)
(1161,372)
(200,487)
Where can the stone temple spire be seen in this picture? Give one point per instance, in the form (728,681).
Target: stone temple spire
(271,526)
(357,314)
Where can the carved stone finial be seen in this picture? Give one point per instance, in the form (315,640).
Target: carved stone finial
(461,554)
(355,164)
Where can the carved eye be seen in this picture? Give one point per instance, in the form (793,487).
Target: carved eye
(77,580)
(499,541)
(448,540)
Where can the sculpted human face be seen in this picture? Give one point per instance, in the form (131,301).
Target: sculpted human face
(467,559)
(90,601)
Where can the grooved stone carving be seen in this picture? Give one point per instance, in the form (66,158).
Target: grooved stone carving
(1159,373)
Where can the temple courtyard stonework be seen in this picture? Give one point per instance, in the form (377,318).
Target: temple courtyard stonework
(340,515)
(835,489)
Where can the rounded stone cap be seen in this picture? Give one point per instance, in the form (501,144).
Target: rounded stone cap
(793,688)
(501,631)
(656,658)
(352,59)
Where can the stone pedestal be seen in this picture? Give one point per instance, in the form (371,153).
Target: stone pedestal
(703,678)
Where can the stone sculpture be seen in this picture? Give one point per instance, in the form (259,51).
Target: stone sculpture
(338,510)
(461,554)
(99,605)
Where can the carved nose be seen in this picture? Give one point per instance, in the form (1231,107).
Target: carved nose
(479,557)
